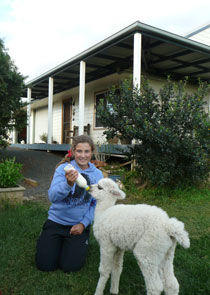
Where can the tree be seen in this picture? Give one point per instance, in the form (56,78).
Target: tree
(11,88)
(171,126)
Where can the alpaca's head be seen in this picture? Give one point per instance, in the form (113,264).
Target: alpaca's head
(106,191)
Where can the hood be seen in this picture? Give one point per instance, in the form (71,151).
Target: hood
(90,169)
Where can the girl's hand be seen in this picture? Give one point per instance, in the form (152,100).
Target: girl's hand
(71,176)
(77,229)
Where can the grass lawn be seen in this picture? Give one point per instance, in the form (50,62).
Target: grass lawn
(20,227)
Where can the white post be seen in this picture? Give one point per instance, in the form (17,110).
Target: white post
(28,116)
(81,97)
(50,110)
(14,136)
(32,126)
(137,60)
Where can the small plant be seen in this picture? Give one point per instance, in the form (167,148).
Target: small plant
(10,173)
(44,137)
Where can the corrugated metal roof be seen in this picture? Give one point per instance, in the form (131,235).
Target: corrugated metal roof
(163,54)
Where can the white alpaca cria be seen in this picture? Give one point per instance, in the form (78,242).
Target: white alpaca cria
(146,230)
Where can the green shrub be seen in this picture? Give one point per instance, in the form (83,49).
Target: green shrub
(44,137)
(11,90)
(171,126)
(10,173)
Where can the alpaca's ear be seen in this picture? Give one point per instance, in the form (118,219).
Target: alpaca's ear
(118,194)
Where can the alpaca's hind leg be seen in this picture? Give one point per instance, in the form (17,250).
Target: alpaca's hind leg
(152,279)
(148,263)
(105,267)
(116,271)
(170,283)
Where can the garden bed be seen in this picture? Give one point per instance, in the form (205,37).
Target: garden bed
(13,195)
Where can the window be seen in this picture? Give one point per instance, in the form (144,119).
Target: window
(100,98)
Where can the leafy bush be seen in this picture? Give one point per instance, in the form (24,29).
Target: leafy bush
(171,127)
(10,173)
(44,137)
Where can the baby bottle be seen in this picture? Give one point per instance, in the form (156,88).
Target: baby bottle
(80,181)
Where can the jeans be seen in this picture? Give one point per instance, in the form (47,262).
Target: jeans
(57,248)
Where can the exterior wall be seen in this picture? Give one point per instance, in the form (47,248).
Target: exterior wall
(91,89)
(40,123)
(41,107)
(157,83)
(202,36)
(103,84)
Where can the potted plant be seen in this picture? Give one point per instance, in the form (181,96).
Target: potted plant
(44,137)
(113,140)
(10,176)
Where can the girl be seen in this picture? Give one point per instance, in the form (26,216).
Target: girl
(63,242)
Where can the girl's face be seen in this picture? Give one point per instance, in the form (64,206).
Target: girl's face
(82,155)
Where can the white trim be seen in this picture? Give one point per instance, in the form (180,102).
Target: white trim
(28,116)
(82,97)
(50,110)
(32,130)
(137,60)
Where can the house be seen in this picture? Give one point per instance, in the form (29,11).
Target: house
(63,101)
(201,34)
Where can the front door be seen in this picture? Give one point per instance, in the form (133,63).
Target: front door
(67,121)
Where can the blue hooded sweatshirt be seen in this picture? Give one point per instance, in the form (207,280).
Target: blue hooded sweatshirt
(71,204)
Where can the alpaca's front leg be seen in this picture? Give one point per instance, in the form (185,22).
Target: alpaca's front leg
(101,284)
(116,271)
(105,268)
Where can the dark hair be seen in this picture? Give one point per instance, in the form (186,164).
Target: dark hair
(76,140)
(82,139)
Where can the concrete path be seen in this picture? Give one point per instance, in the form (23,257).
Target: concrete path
(37,165)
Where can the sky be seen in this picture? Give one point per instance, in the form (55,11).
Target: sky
(41,34)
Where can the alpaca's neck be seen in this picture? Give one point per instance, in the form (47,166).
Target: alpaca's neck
(101,208)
